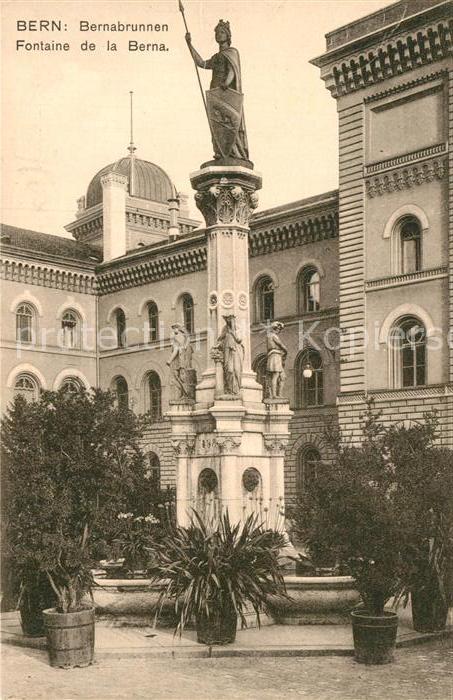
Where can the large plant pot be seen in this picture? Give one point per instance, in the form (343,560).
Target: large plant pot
(218,628)
(34,601)
(374,636)
(429,610)
(70,637)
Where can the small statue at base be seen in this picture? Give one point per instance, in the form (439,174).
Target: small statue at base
(183,376)
(230,350)
(276,357)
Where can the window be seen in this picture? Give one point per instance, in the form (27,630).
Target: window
(71,385)
(121,390)
(410,241)
(260,367)
(70,325)
(264,296)
(25,316)
(309,376)
(154,391)
(308,461)
(309,290)
(153,321)
(408,346)
(153,472)
(27,386)
(120,328)
(188,316)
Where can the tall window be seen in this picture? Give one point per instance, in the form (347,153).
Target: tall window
(154,396)
(25,316)
(411,239)
(309,290)
(260,367)
(188,315)
(154,470)
(122,392)
(409,353)
(310,389)
(264,300)
(27,386)
(308,461)
(70,326)
(120,328)
(153,321)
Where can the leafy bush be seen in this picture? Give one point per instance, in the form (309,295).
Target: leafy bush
(70,462)
(226,567)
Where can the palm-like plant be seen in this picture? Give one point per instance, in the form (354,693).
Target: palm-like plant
(215,572)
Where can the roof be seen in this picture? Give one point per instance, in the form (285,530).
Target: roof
(145,180)
(47,244)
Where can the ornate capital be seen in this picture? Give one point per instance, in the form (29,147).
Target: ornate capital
(225,203)
(183,446)
(275,444)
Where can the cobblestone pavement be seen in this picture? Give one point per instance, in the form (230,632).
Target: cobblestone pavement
(419,673)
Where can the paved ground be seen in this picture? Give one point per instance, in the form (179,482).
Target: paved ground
(418,673)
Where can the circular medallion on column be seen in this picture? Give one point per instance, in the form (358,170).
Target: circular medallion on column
(213,300)
(227,299)
(243,300)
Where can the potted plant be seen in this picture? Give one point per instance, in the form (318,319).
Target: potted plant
(350,509)
(215,572)
(87,459)
(424,483)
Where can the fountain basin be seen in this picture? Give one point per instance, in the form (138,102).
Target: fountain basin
(315,600)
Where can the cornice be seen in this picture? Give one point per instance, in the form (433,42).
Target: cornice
(47,275)
(364,63)
(411,278)
(406,158)
(407,178)
(408,85)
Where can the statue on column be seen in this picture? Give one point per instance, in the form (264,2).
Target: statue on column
(183,377)
(276,357)
(230,349)
(224,100)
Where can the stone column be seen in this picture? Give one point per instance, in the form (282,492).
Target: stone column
(226,196)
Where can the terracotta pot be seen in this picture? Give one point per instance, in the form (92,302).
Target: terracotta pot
(374,636)
(218,628)
(70,637)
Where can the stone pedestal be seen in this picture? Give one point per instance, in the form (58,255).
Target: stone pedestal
(229,446)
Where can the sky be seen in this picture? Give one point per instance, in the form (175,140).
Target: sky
(65,115)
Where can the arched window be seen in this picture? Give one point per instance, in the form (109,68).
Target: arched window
(309,290)
(188,316)
(264,299)
(27,386)
(153,321)
(71,385)
(260,367)
(25,320)
(154,396)
(122,392)
(410,234)
(120,318)
(308,462)
(70,326)
(153,472)
(408,348)
(309,377)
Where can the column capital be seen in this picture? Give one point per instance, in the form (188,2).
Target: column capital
(226,196)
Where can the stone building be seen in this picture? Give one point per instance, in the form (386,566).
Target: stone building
(361,277)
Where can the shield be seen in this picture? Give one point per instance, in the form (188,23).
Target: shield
(225,116)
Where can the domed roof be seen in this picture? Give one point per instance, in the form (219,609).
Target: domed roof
(149,181)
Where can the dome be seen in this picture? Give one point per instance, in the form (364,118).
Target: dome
(149,181)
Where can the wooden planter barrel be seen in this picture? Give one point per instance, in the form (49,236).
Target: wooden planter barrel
(70,637)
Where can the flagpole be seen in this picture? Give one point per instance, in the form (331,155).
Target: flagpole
(181,9)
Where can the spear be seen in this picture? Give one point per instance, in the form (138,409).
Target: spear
(181,9)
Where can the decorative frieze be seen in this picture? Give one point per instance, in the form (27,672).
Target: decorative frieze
(407,178)
(309,230)
(48,276)
(219,444)
(397,280)
(136,274)
(226,203)
(406,158)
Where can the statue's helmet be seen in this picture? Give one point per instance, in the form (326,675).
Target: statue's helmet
(224,26)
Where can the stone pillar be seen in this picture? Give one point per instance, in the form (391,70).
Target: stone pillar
(114,215)
(226,196)
(173,229)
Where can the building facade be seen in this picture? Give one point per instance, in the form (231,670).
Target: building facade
(361,277)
